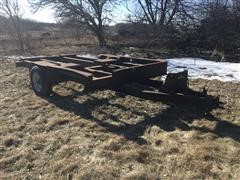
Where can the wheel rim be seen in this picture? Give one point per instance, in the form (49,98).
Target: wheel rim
(37,83)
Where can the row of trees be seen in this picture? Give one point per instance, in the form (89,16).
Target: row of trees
(210,24)
(96,14)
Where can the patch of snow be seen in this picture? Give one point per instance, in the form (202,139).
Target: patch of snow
(24,57)
(200,68)
(15,58)
(88,55)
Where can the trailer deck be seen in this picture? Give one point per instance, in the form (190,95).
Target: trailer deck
(112,72)
(103,71)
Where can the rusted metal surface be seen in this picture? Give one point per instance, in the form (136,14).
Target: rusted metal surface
(110,71)
(104,71)
(176,82)
(186,96)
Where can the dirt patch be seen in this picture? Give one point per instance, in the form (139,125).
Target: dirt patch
(105,134)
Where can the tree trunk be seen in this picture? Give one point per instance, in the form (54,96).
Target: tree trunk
(19,34)
(20,41)
(101,39)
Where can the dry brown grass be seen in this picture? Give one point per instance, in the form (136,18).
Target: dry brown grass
(106,135)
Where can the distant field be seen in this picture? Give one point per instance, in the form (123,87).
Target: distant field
(104,134)
(31,45)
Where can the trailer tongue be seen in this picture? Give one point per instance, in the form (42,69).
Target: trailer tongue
(113,72)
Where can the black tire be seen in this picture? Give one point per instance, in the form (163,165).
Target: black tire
(39,81)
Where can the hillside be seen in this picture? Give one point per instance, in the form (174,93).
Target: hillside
(28,25)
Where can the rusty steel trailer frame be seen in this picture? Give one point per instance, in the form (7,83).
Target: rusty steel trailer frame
(105,71)
(112,72)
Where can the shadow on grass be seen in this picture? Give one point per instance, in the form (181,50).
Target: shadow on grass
(174,116)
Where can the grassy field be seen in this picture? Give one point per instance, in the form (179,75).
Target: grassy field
(106,135)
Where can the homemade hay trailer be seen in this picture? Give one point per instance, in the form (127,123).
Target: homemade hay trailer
(113,72)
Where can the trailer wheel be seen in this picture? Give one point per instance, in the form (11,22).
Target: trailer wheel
(39,82)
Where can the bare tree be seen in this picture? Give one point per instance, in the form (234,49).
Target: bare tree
(11,10)
(162,15)
(93,13)
(158,12)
